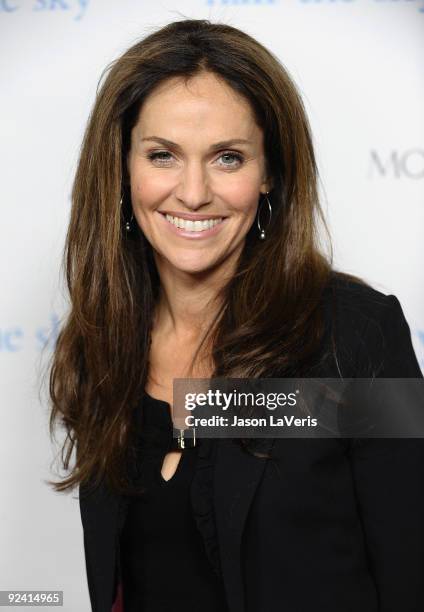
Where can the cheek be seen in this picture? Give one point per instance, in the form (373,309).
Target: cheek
(244,200)
(146,189)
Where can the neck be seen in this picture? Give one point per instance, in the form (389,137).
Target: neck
(188,302)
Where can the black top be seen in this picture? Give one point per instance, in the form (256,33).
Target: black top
(325,525)
(163,557)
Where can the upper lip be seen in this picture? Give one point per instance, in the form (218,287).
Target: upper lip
(190,216)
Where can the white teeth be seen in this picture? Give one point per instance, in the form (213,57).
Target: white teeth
(193,226)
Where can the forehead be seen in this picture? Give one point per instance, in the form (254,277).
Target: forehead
(203,104)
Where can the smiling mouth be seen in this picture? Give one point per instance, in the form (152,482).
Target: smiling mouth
(190,225)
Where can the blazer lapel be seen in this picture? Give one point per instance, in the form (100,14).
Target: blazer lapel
(102,513)
(237,475)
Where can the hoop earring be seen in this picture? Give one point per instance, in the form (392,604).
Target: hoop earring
(128,224)
(262,234)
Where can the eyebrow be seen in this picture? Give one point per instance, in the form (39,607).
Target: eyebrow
(223,144)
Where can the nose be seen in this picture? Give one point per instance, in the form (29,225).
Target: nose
(193,186)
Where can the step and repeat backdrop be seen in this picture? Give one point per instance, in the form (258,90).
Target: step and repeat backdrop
(359,67)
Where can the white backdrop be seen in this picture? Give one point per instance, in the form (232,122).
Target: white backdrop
(359,66)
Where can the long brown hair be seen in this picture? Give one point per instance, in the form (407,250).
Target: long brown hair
(269,323)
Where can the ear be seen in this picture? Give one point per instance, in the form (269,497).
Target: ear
(267,185)
(126,170)
(267,180)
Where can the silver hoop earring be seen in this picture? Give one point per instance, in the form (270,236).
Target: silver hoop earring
(262,234)
(128,224)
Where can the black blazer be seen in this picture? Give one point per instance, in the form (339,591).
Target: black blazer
(325,525)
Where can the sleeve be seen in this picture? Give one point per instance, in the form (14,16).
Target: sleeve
(389,480)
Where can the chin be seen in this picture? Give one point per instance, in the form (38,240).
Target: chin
(193,267)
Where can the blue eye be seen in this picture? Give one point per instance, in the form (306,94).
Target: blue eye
(234,155)
(163,157)
(155,155)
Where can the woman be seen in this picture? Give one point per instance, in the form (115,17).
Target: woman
(192,252)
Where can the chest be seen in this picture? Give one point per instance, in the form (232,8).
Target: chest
(170,359)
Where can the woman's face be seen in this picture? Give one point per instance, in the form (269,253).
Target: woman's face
(197,169)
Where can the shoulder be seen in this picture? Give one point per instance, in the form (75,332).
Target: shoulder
(368,329)
(355,297)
